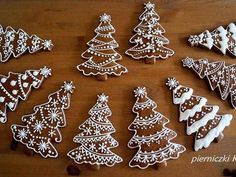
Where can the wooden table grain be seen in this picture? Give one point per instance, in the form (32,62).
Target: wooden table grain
(70,24)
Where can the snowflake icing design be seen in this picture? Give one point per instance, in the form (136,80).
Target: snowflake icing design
(45,71)
(149,6)
(42,146)
(47,44)
(22,134)
(53,115)
(172,83)
(38,126)
(105,18)
(194,39)
(68,87)
(103,98)
(188,62)
(140,92)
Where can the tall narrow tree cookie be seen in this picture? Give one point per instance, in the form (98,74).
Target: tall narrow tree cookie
(149,40)
(95,140)
(152,137)
(41,128)
(224,40)
(201,118)
(218,75)
(17,86)
(101,56)
(17,42)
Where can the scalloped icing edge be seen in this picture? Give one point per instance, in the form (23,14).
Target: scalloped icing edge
(206,141)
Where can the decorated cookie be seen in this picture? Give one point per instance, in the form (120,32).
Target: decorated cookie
(221,39)
(101,56)
(95,140)
(15,43)
(201,118)
(41,128)
(218,75)
(151,136)
(149,40)
(17,86)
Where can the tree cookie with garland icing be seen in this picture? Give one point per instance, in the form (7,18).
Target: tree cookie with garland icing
(101,56)
(151,136)
(149,40)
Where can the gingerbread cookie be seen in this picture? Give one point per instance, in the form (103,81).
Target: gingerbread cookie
(15,43)
(221,39)
(218,75)
(41,128)
(101,56)
(149,40)
(201,119)
(17,86)
(152,137)
(95,140)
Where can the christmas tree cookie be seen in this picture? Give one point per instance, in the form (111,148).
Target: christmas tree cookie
(95,140)
(17,42)
(149,40)
(222,39)
(101,56)
(17,86)
(201,118)
(219,76)
(151,137)
(41,128)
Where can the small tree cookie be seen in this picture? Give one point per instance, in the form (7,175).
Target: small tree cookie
(201,118)
(224,40)
(95,140)
(41,128)
(17,86)
(15,43)
(149,40)
(218,75)
(101,56)
(151,135)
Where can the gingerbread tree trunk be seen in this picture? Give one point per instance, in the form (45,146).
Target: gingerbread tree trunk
(101,56)
(218,75)
(15,43)
(151,136)
(17,86)
(149,40)
(95,140)
(201,119)
(221,39)
(41,128)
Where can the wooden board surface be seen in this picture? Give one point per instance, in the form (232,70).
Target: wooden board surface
(70,25)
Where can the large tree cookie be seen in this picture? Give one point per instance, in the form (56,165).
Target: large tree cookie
(41,128)
(149,40)
(101,56)
(201,118)
(95,140)
(151,136)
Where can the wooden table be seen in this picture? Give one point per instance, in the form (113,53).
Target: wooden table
(70,25)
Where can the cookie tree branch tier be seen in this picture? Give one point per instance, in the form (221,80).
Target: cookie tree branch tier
(201,118)
(101,56)
(17,86)
(221,39)
(41,128)
(218,75)
(151,136)
(149,40)
(15,43)
(95,140)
